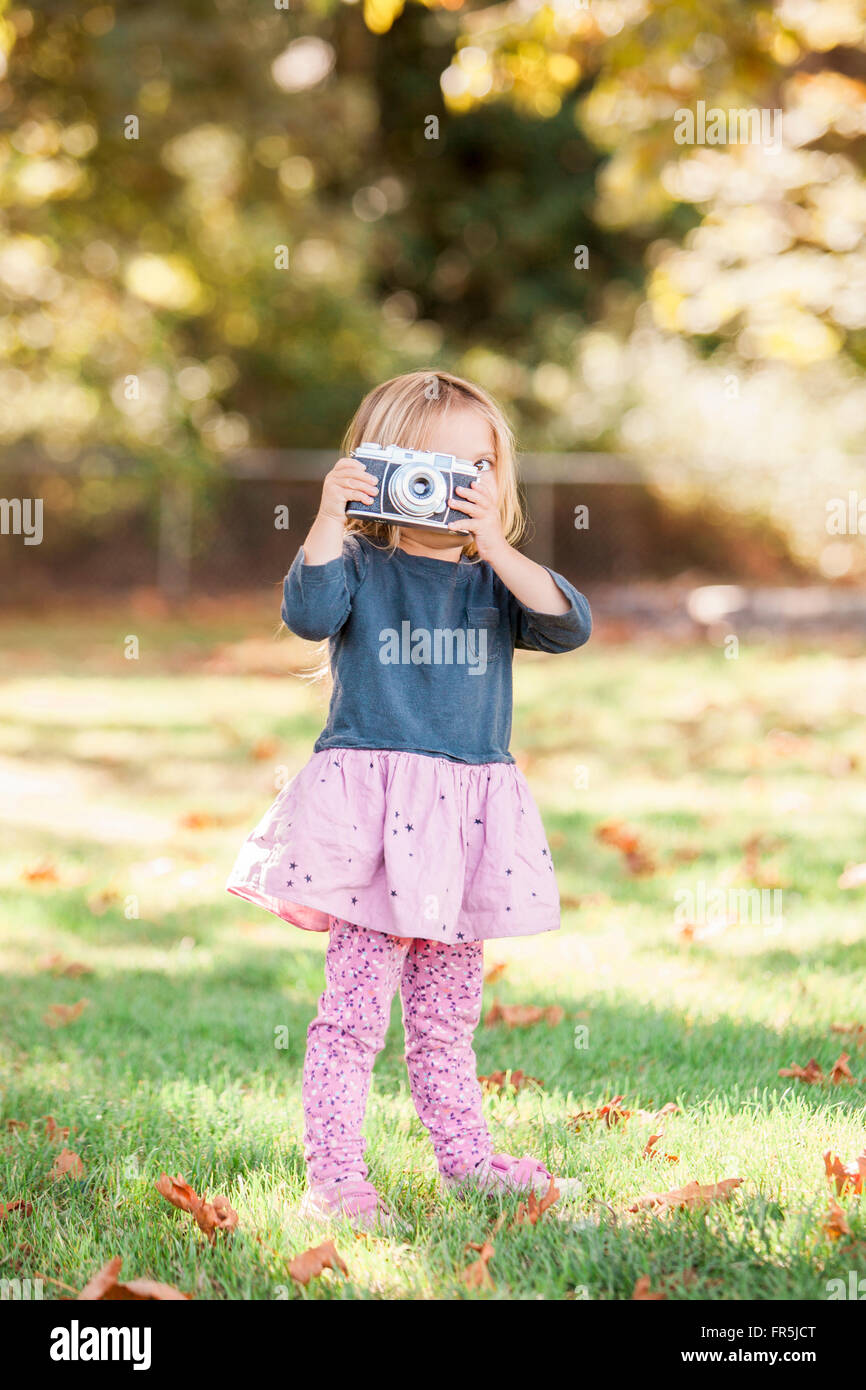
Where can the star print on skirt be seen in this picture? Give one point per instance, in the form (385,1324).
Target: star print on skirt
(402,843)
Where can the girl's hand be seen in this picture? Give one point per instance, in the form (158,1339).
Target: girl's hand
(481,505)
(348,481)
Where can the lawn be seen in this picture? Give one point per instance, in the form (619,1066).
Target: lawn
(127,786)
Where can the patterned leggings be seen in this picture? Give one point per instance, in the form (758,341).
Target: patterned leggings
(440,990)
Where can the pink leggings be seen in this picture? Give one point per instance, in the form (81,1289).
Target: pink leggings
(440,990)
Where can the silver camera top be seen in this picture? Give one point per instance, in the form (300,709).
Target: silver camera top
(392,453)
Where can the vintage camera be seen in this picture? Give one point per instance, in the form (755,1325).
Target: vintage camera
(414,485)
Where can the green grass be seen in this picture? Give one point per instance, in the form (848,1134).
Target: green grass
(173,1065)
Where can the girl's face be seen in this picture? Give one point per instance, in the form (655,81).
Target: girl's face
(467,435)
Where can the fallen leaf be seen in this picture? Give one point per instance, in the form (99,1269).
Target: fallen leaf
(200,820)
(834,1224)
(43,872)
(686,854)
(849,1177)
(60,1014)
(523,1015)
(858,1029)
(751,868)
(99,903)
(643,1293)
(502,1081)
(840,1070)
(310,1264)
(178,1192)
(811,1073)
(265,748)
(209,1216)
(67,1165)
(650,1150)
(104,1287)
(692,1195)
(477,1274)
(16,1124)
(19,1204)
(495,971)
(639,861)
(532,1211)
(215,1216)
(612,1113)
(56,1133)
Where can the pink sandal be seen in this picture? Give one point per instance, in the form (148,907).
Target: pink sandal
(354,1200)
(504,1173)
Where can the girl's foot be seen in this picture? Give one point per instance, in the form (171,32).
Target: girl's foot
(504,1173)
(354,1200)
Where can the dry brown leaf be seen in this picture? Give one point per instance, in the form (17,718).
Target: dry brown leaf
(612,1112)
(834,1224)
(265,748)
(643,1293)
(178,1192)
(59,965)
(858,1029)
(501,1081)
(209,1216)
(523,1015)
(811,1073)
(638,860)
(19,1204)
(43,872)
(686,854)
(841,1071)
(751,868)
(104,1287)
(215,1216)
(310,1263)
(494,972)
(849,1177)
(532,1211)
(694,1194)
(200,820)
(650,1150)
(60,1014)
(477,1274)
(67,1165)
(99,903)
(16,1124)
(58,1134)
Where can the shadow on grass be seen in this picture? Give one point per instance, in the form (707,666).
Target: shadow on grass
(246,1020)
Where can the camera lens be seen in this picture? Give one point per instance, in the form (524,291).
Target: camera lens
(418,490)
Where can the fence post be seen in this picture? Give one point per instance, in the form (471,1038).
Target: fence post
(540,505)
(175,539)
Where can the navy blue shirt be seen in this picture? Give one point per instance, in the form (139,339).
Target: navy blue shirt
(421,649)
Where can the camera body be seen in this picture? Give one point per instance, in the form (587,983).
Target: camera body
(414,485)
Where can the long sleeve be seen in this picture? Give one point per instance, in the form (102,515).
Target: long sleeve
(552,632)
(317,599)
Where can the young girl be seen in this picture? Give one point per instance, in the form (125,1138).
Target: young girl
(411,836)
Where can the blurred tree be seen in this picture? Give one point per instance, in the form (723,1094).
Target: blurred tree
(222,223)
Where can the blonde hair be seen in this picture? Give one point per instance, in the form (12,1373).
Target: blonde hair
(402,411)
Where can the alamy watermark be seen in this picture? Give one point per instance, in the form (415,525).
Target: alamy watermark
(846,516)
(704,906)
(21,1290)
(438,646)
(22,516)
(737,126)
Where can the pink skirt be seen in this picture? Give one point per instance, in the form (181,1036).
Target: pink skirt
(402,843)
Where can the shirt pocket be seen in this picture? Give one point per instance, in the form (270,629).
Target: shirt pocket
(482,637)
